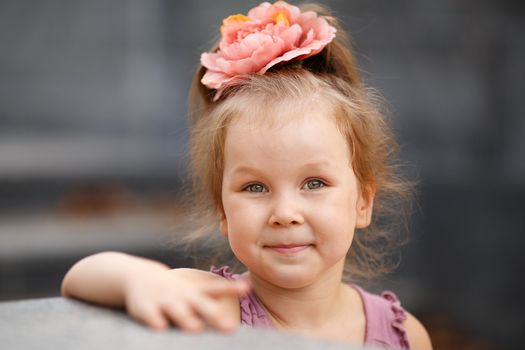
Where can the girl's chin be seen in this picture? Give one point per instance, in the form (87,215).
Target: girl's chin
(289,276)
(290,273)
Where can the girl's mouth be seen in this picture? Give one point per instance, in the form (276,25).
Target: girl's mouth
(288,249)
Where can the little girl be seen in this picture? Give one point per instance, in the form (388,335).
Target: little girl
(289,156)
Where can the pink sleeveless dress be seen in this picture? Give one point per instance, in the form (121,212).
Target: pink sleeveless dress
(384,315)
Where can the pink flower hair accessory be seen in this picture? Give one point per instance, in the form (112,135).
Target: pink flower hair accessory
(270,34)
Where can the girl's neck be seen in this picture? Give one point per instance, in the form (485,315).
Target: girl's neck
(306,308)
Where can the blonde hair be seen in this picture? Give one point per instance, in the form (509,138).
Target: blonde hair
(330,75)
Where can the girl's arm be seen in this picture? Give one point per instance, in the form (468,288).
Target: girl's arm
(103,278)
(154,294)
(417,334)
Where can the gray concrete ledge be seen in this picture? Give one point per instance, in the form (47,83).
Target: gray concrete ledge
(58,323)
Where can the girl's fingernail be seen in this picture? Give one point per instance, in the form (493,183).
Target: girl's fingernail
(228,326)
(160,327)
(195,327)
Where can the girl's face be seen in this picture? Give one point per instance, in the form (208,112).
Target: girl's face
(291,200)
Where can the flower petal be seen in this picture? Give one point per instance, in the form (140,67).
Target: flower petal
(214,79)
(270,49)
(208,60)
(259,12)
(234,67)
(291,36)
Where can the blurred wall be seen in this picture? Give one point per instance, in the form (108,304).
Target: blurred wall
(93,93)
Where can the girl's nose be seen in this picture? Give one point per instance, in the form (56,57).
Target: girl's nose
(285,212)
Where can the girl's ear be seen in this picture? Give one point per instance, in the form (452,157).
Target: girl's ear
(365,205)
(223,226)
(223,223)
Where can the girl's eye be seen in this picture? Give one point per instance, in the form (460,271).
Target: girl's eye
(255,188)
(314,184)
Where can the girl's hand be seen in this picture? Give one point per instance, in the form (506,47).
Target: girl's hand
(190,299)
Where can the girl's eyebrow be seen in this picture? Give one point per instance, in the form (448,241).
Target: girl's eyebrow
(320,164)
(314,165)
(241,169)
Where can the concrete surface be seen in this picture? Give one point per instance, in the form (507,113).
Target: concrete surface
(58,323)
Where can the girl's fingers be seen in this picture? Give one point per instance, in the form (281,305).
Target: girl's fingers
(183,316)
(150,315)
(191,308)
(222,288)
(212,314)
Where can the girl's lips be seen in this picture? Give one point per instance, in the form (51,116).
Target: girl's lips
(289,249)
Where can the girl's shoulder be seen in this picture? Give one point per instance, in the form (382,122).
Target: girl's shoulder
(384,319)
(389,324)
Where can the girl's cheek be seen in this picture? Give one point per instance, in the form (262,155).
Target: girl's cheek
(246,214)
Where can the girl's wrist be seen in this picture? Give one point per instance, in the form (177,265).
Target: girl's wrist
(139,268)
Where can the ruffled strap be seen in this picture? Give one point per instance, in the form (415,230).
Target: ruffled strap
(252,313)
(225,272)
(399,317)
(384,320)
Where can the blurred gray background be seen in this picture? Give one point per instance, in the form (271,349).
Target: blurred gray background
(93,141)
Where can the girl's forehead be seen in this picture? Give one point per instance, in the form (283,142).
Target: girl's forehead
(282,113)
(285,130)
